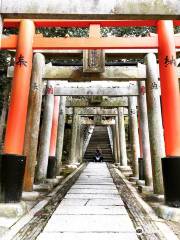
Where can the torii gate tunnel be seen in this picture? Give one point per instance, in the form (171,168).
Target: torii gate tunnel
(165,41)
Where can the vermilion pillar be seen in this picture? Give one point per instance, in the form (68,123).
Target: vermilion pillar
(12,161)
(169,87)
(16,122)
(170,111)
(52,150)
(51,171)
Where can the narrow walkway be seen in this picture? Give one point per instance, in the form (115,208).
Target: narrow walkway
(92,209)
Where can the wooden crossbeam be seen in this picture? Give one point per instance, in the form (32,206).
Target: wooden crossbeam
(112,73)
(108,103)
(119,90)
(40,42)
(39,23)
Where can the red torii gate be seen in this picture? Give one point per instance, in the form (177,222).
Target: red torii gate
(165,41)
(27,40)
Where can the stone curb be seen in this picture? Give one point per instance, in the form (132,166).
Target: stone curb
(38,207)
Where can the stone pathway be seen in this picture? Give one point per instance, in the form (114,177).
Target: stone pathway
(92,209)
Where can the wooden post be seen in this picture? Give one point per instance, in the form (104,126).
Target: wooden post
(33,120)
(13,161)
(122,137)
(81,142)
(140,137)
(45,134)
(75,121)
(133,126)
(155,122)
(53,140)
(117,140)
(145,134)
(169,87)
(16,122)
(114,143)
(170,111)
(60,135)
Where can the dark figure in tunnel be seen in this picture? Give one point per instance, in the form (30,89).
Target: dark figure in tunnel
(98,155)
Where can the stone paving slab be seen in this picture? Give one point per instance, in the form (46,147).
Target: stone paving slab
(87,177)
(105,202)
(87,236)
(94,183)
(89,223)
(74,202)
(92,196)
(87,186)
(92,202)
(91,210)
(93,191)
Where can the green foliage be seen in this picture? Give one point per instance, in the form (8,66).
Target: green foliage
(63,32)
(4,82)
(4,60)
(83,32)
(127,31)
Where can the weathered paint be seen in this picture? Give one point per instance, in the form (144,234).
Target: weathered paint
(145,134)
(87,121)
(111,73)
(155,123)
(106,102)
(33,120)
(93,111)
(121,89)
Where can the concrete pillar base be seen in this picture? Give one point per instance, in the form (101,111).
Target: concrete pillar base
(72,166)
(43,187)
(30,196)
(59,177)
(133,179)
(53,181)
(155,197)
(168,213)
(140,182)
(126,170)
(13,210)
(145,189)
